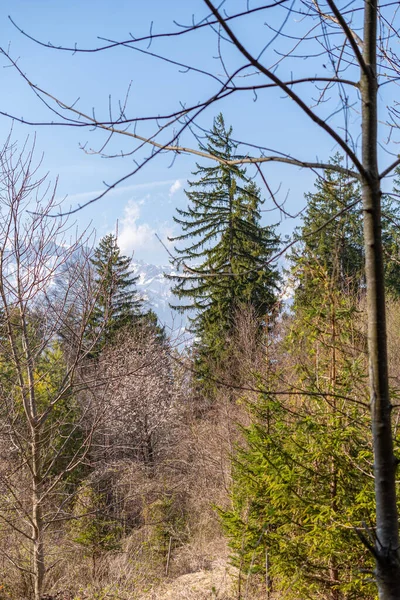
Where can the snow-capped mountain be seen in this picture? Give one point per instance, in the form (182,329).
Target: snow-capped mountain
(155,289)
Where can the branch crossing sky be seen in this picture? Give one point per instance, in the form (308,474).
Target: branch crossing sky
(143,205)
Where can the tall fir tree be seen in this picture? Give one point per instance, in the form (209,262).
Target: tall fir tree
(332,236)
(303,478)
(117,303)
(226,249)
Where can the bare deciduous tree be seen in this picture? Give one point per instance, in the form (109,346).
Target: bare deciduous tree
(42,434)
(351,59)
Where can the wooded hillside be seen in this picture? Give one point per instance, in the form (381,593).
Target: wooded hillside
(241,467)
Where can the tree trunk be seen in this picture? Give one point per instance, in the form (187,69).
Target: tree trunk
(38,552)
(37,520)
(387,536)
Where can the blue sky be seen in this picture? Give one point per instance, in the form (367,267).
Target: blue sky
(145,204)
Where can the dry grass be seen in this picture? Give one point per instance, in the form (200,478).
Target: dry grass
(193,476)
(217,582)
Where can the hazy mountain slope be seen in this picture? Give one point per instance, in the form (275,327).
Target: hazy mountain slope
(155,289)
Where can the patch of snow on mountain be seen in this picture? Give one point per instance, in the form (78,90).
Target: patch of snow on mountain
(155,289)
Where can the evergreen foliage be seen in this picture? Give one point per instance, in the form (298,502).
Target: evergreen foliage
(332,236)
(94,526)
(303,481)
(225,247)
(117,303)
(54,395)
(64,425)
(391,238)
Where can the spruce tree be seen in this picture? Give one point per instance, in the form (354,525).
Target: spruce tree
(117,303)
(226,249)
(332,236)
(303,479)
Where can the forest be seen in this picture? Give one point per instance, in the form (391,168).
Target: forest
(255,453)
(128,463)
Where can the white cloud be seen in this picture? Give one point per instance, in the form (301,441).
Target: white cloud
(140,238)
(133,235)
(175,187)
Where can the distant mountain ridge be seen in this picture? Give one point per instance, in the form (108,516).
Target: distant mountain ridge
(155,289)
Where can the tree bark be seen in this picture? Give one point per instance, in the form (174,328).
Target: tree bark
(37,519)
(387,535)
